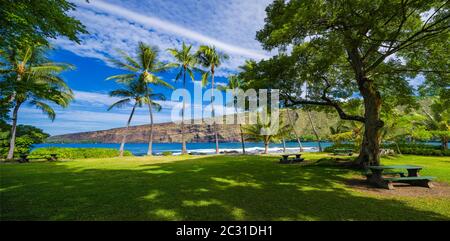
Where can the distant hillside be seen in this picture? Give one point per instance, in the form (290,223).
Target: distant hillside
(171,132)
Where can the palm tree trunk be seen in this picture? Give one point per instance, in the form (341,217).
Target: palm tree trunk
(295,130)
(240,129)
(212,111)
(266,147)
(444,142)
(314,130)
(12,142)
(284,145)
(122,144)
(150,140)
(183,140)
(242,139)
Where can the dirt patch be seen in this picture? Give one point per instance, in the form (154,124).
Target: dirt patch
(404,190)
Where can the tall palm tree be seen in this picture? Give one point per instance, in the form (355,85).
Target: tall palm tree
(135,92)
(234,83)
(185,62)
(209,58)
(144,68)
(292,123)
(31,78)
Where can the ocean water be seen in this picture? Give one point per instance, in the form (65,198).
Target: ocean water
(196,148)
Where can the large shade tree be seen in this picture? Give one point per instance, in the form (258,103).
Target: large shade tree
(28,77)
(356,49)
(143,68)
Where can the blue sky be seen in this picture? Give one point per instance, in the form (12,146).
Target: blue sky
(229,25)
(112,24)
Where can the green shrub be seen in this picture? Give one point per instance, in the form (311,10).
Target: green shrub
(341,146)
(167,153)
(77,153)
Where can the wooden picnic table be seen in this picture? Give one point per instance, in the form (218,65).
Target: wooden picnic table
(377,176)
(285,158)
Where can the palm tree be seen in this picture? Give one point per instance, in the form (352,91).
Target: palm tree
(291,122)
(136,92)
(254,133)
(235,83)
(208,57)
(185,63)
(143,68)
(438,121)
(31,78)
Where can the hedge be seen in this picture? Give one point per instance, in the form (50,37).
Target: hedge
(77,153)
(405,148)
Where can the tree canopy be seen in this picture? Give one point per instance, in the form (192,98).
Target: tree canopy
(25,22)
(334,51)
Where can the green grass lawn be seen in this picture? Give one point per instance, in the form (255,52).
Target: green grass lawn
(206,188)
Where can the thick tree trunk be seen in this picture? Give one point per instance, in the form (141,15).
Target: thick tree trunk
(212,111)
(295,130)
(12,141)
(150,138)
(370,146)
(444,143)
(183,140)
(266,147)
(315,131)
(122,144)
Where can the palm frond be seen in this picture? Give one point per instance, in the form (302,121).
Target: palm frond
(46,109)
(120,103)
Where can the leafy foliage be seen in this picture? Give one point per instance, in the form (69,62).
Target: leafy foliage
(33,22)
(77,153)
(26,137)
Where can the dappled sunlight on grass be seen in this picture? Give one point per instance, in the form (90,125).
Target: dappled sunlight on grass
(200,188)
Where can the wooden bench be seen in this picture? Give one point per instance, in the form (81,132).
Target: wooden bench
(25,157)
(376,176)
(343,151)
(286,160)
(424,181)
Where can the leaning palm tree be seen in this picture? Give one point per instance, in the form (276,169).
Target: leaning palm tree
(235,83)
(31,78)
(209,58)
(144,68)
(185,62)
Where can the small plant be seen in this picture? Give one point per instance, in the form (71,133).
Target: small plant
(167,153)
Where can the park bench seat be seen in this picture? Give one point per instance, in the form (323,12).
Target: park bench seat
(401,174)
(398,179)
(424,181)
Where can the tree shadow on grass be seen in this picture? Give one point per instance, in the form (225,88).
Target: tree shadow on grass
(209,188)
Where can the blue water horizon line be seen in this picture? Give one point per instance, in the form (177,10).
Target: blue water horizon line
(139,149)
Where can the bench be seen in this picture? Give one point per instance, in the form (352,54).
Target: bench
(25,157)
(342,151)
(286,160)
(424,181)
(376,176)
(391,173)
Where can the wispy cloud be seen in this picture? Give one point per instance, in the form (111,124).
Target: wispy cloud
(165,24)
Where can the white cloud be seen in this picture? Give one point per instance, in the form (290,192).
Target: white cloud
(229,25)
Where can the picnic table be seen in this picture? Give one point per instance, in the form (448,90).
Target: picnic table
(344,151)
(377,176)
(24,157)
(286,160)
